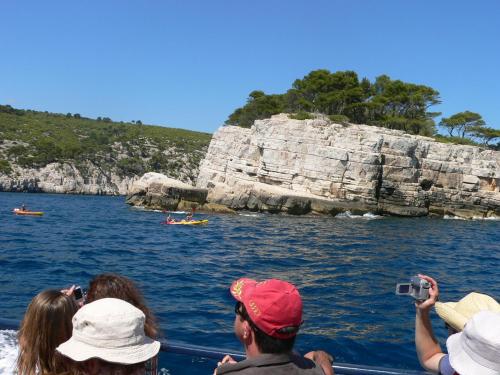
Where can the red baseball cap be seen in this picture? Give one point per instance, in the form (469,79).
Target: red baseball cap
(273,305)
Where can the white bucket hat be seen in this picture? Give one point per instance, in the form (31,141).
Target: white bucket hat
(112,330)
(456,314)
(476,350)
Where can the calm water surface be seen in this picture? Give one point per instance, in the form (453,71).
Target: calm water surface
(345,268)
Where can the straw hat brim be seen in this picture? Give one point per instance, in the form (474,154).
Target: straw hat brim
(447,312)
(80,351)
(457,314)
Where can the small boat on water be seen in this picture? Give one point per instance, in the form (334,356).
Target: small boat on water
(186,222)
(19,211)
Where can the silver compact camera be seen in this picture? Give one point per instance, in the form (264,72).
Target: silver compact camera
(417,288)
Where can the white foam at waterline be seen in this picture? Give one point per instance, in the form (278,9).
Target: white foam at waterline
(369,215)
(451,217)
(493,218)
(250,215)
(8,351)
(479,218)
(350,215)
(141,208)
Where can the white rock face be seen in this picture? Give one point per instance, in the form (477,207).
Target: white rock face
(66,178)
(152,178)
(297,166)
(157,191)
(102,176)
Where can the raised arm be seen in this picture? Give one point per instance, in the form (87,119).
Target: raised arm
(428,350)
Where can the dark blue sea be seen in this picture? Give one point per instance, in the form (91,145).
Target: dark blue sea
(345,267)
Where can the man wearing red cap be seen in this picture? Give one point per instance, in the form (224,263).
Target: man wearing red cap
(268,317)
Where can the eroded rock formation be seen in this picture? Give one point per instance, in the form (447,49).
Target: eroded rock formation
(294,166)
(157,191)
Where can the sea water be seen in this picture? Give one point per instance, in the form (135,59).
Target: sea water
(345,267)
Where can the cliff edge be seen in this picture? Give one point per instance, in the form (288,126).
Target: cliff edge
(301,166)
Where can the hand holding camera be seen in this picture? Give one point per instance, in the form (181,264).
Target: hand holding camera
(422,288)
(77,293)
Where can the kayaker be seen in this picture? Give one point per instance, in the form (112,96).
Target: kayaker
(23,207)
(268,318)
(170,219)
(189,217)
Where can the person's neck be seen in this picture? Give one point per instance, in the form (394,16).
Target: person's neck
(252,351)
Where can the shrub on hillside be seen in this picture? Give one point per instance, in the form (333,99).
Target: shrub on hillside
(5,167)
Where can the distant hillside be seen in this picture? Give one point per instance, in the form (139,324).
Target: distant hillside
(31,141)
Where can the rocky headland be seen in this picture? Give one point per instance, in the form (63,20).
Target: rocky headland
(66,178)
(157,191)
(55,153)
(316,166)
(77,178)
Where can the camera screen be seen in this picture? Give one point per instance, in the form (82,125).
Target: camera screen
(404,288)
(78,293)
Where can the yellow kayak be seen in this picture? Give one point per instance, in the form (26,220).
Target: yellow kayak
(18,211)
(185,222)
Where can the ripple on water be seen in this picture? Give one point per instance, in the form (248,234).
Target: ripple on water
(346,269)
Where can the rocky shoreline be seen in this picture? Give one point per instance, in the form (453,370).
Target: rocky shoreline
(300,167)
(315,166)
(66,178)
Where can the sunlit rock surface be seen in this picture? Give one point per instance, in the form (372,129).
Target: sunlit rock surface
(294,166)
(66,178)
(157,191)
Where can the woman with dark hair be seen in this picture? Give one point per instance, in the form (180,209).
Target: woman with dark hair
(46,324)
(109,285)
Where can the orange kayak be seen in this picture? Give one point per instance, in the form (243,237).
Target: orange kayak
(18,211)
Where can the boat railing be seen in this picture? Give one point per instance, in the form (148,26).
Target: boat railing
(176,347)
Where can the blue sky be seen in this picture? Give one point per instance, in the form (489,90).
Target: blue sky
(189,64)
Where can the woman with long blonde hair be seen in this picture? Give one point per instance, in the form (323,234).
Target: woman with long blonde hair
(46,324)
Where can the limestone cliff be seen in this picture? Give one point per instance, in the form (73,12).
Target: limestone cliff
(65,153)
(66,178)
(84,177)
(280,164)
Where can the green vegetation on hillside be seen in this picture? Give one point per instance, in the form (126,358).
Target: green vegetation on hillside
(344,97)
(34,139)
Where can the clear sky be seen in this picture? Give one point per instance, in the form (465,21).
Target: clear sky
(190,63)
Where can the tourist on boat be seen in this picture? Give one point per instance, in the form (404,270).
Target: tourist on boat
(109,338)
(474,351)
(46,324)
(268,318)
(109,285)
